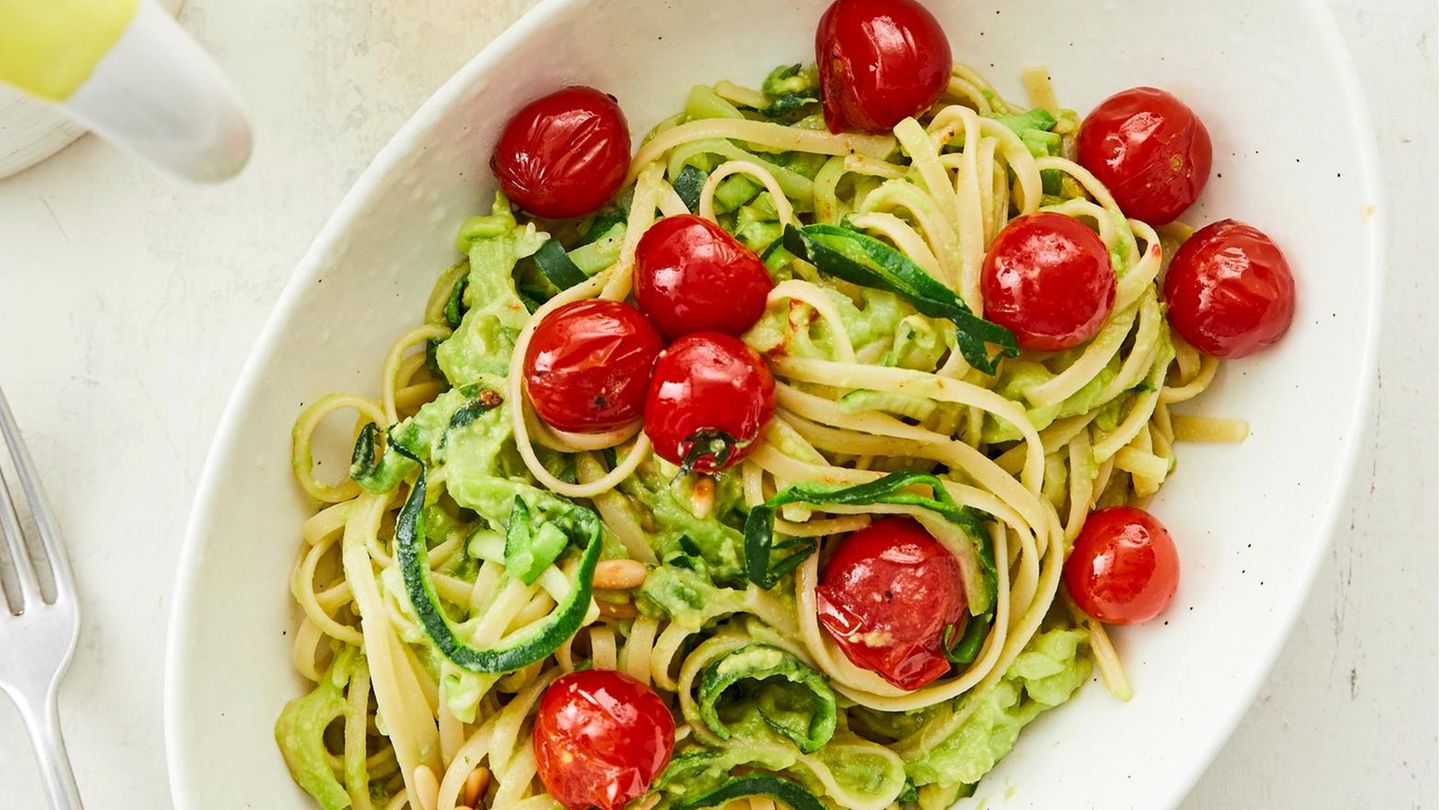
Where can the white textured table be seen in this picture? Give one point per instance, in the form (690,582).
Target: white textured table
(127,306)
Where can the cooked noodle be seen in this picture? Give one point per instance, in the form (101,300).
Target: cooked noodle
(415,726)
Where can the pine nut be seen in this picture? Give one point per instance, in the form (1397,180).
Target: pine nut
(427,786)
(619,575)
(475,785)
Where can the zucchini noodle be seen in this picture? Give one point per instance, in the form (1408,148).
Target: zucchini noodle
(428,650)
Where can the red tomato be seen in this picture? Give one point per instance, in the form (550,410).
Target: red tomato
(1149,149)
(709,399)
(692,276)
(1230,290)
(564,155)
(1123,569)
(886,597)
(1048,279)
(588,364)
(880,62)
(601,738)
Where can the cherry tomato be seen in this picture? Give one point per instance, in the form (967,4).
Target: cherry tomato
(1149,149)
(886,597)
(1230,290)
(601,737)
(709,399)
(1048,279)
(692,276)
(564,155)
(880,62)
(1123,569)
(588,364)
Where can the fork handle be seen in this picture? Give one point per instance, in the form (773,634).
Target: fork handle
(49,743)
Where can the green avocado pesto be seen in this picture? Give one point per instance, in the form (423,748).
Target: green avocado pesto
(487,575)
(1018,375)
(300,733)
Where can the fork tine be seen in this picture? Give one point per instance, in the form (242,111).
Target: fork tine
(39,509)
(19,556)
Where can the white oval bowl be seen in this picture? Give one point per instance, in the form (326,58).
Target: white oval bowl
(1293,155)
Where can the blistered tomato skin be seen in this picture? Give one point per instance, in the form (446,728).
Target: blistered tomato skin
(880,61)
(1124,568)
(601,737)
(692,276)
(588,365)
(1150,150)
(1048,279)
(709,399)
(887,595)
(1229,290)
(564,155)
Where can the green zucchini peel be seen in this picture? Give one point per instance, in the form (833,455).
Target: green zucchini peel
(893,488)
(757,663)
(533,644)
(864,260)
(783,790)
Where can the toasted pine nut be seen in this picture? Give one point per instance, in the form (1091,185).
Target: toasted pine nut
(427,786)
(617,610)
(702,497)
(619,575)
(475,785)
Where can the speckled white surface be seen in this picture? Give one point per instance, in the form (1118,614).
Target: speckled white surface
(127,306)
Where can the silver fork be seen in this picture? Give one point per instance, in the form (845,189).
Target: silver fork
(37,635)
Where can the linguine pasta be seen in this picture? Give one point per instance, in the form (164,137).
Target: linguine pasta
(866,386)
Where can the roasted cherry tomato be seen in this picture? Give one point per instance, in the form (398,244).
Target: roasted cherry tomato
(692,276)
(709,399)
(564,155)
(1230,290)
(1048,279)
(1123,568)
(887,596)
(880,62)
(601,738)
(588,365)
(1149,149)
